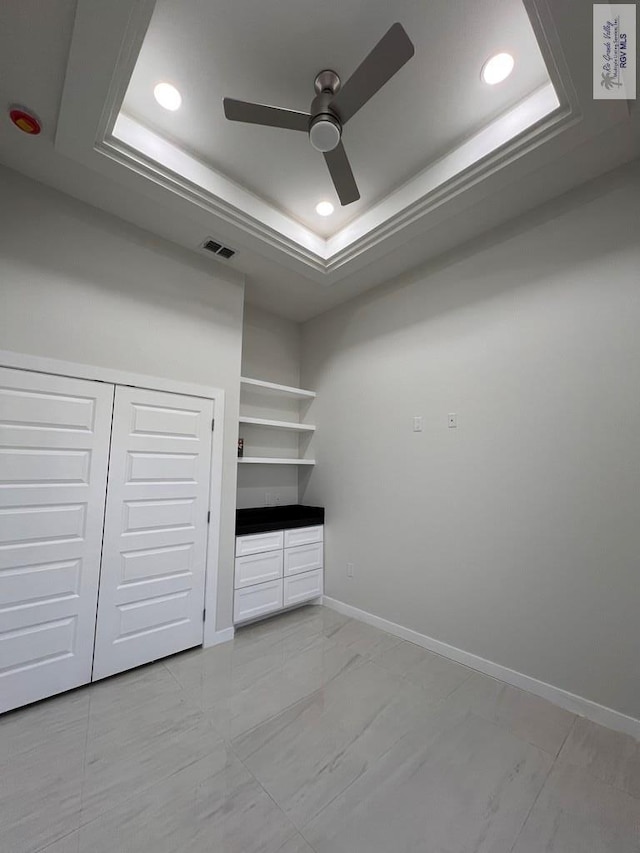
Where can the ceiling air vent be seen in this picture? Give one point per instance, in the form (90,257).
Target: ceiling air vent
(218,249)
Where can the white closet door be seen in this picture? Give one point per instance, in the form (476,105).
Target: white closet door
(54,444)
(155,538)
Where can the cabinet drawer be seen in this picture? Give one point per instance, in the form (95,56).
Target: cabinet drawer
(258,568)
(303,536)
(302,587)
(258,600)
(258,542)
(303,558)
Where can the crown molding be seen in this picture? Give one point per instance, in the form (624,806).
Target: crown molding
(92,129)
(132,158)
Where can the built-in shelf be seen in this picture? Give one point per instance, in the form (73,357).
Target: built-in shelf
(260,384)
(265,422)
(293,426)
(273,460)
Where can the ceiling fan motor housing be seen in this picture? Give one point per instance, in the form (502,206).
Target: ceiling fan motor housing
(325,132)
(325,129)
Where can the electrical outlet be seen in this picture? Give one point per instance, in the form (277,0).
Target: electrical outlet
(350,568)
(417,424)
(453,420)
(277,500)
(267,499)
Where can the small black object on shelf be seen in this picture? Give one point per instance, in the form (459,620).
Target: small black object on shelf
(240,448)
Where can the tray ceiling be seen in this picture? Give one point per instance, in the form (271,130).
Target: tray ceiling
(271,54)
(440,157)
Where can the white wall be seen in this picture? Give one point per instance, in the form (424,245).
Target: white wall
(270,351)
(80,285)
(515,536)
(270,347)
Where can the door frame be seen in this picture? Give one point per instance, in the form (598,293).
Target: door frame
(39,364)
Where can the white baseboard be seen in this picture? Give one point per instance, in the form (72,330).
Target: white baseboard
(569,701)
(219,637)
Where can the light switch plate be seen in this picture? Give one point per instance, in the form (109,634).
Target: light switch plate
(453,420)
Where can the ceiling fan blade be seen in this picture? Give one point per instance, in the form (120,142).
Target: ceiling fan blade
(263,114)
(387,57)
(341,175)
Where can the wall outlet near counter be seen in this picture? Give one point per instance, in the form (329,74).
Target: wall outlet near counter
(350,569)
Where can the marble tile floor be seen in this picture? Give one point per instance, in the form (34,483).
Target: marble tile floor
(312,733)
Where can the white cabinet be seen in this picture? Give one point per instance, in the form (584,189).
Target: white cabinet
(277,577)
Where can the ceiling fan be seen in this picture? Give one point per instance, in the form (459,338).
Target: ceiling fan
(333,106)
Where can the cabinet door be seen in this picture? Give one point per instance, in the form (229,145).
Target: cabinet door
(258,568)
(303,558)
(54,444)
(257,543)
(303,536)
(154,553)
(259,600)
(304,587)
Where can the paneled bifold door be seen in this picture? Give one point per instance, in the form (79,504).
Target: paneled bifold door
(97,574)
(155,535)
(54,444)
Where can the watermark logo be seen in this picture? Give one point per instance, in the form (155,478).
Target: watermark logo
(614,50)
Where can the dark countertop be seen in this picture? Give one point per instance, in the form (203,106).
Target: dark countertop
(261,519)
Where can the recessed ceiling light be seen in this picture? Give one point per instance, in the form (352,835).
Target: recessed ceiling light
(324,208)
(167,96)
(497,69)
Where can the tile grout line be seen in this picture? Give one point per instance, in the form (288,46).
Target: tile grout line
(503,684)
(228,745)
(586,769)
(58,841)
(533,805)
(546,779)
(229,740)
(145,788)
(177,681)
(365,659)
(304,698)
(297,831)
(566,738)
(84,762)
(418,684)
(391,746)
(285,710)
